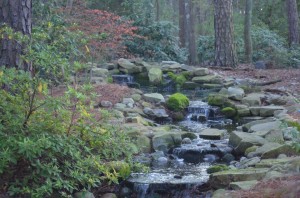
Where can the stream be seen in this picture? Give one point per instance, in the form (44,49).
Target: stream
(182,172)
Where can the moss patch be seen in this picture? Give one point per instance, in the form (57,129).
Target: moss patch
(217,168)
(229,112)
(178,79)
(177,102)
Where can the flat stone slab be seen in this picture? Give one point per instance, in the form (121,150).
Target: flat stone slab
(268,163)
(224,178)
(265,111)
(212,134)
(242,140)
(243,185)
(154,97)
(268,126)
(253,99)
(207,79)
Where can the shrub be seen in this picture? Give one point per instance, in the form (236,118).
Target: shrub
(177,102)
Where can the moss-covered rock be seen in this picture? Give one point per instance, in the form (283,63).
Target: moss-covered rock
(229,112)
(177,102)
(217,100)
(217,168)
(178,79)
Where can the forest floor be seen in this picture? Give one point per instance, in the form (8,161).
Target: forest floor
(289,78)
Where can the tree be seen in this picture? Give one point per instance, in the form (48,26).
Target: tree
(187,29)
(225,54)
(247,31)
(293,22)
(17,15)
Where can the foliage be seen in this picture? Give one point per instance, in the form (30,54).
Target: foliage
(51,145)
(177,102)
(217,168)
(157,42)
(267,45)
(106,32)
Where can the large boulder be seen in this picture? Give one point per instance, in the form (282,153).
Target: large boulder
(154,97)
(163,141)
(241,141)
(253,99)
(128,67)
(243,185)
(212,134)
(264,127)
(243,110)
(224,178)
(155,75)
(200,72)
(236,93)
(265,111)
(170,66)
(246,127)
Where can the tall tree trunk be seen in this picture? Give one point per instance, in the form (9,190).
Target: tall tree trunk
(225,54)
(157,17)
(247,31)
(182,23)
(293,21)
(17,15)
(190,31)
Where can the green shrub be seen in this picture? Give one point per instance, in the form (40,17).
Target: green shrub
(178,79)
(217,168)
(51,146)
(177,102)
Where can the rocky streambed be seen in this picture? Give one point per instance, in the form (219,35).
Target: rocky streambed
(259,147)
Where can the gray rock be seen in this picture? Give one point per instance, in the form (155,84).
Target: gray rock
(243,185)
(207,79)
(127,67)
(200,72)
(120,106)
(236,93)
(264,127)
(212,134)
(243,110)
(106,104)
(246,127)
(265,111)
(241,141)
(154,97)
(253,99)
(136,97)
(245,162)
(84,194)
(155,75)
(99,72)
(157,154)
(165,140)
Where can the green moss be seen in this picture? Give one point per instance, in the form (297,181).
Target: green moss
(294,124)
(110,80)
(217,168)
(229,112)
(217,100)
(177,102)
(250,149)
(178,79)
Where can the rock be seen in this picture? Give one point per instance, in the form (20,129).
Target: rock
(189,135)
(245,162)
(241,141)
(127,67)
(212,134)
(125,192)
(221,193)
(143,143)
(106,104)
(155,113)
(268,163)
(154,98)
(99,72)
(166,140)
(127,101)
(84,194)
(162,161)
(120,106)
(200,72)
(109,195)
(246,127)
(243,110)
(236,93)
(228,158)
(190,85)
(186,141)
(155,75)
(212,86)
(170,66)
(265,111)
(276,151)
(243,185)
(275,135)
(136,97)
(224,178)
(157,154)
(207,79)
(253,99)
(264,127)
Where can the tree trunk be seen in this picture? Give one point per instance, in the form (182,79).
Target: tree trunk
(225,54)
(17,15)
(190,31)
(247,31)
(157,17)
(182,24)
(293,22)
